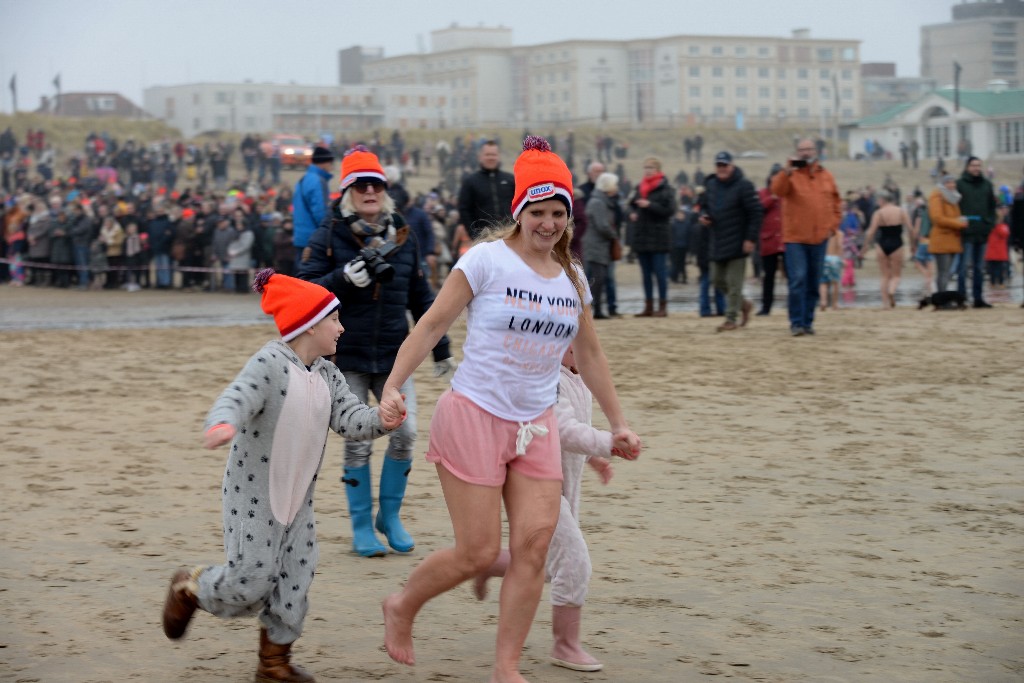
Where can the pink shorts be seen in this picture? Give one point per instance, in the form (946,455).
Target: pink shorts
(479,448)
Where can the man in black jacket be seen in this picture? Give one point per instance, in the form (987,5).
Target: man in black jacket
(733,213)
(485,197)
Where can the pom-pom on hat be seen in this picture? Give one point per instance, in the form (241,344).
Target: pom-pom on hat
(296,305)
(360,162)
(540,174)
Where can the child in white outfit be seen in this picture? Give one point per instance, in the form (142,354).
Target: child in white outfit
(568,563)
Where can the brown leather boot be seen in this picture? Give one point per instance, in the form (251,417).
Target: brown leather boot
(648,310)
(181,602)
(275,663)
(662,310)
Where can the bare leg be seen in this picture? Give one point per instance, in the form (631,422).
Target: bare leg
(835,295)
(532,507)
(476,519)
(499,568)
(895,270)
(883,269)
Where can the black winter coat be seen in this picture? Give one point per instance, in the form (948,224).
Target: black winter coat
(652,230)
(374,317)
(485,199)
(735,211)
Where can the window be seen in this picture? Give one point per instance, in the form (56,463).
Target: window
(1004,48)
(221,97)
(847,113)
(1004,69)
(565,95)
(716,71)
(718,91)
(249,98)
(848,54)
(802,74)
(803,94)
(1004,28)
(846,74)
(551,97)
(566,76)
(936,141)
(196,124)
(764,72)
(694,50)
(824,74)
(847,93)
(694,72)
(782,93)
(718,111)
(551,77)
(803,113)
(741,91)
(694,91)
(763,112)
(764,92)
(538,79)
(695,110)
(716,51)
(250,122)
(1010,137)
(780,72)
(741,51)
(741,72)
(222,122)
(764,52)
(825,54)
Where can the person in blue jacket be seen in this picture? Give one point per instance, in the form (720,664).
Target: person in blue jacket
(311,200)
(365,253)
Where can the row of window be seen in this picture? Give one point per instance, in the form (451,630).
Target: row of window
(1010,137)
(767,113)
(763,92)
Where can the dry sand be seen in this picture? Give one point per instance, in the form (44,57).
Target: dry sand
(845,507)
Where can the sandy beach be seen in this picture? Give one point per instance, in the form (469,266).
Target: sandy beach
(843,507)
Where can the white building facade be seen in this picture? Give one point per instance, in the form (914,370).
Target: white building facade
(299,109)
(698,79)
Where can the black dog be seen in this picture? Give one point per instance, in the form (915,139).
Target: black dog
(944,301)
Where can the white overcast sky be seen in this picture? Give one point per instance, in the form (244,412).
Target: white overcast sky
(127,45)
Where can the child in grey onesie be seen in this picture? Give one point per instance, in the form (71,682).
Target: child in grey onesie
(276,415)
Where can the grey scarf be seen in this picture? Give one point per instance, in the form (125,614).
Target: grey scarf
(951,196)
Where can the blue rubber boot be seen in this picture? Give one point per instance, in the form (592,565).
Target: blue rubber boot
(394,475)
(360,512)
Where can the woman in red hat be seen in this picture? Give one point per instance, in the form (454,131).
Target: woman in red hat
(494,437)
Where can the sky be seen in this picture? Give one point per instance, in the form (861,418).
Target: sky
(126,46)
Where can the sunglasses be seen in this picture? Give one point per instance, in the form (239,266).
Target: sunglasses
(362,185)
(722,165)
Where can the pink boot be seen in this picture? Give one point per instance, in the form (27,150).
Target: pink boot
(567,651)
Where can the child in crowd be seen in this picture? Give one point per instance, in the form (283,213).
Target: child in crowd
(276,413)
(832,271)
(997,252)
(568,563)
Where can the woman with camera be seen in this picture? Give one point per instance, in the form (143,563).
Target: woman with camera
(367,256)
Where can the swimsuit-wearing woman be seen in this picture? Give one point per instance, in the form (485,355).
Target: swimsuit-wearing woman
(889,221)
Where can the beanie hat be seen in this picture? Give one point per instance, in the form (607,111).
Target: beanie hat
(360,162)
(540,174)
(296,305)
(322,155)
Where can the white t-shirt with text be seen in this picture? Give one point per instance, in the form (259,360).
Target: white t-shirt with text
(518,326)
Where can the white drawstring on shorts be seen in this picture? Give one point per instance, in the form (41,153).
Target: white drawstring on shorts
(525,435)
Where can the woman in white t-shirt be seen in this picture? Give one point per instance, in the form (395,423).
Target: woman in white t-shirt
(494,436)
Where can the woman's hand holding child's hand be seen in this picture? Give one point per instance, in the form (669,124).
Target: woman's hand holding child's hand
(626,444)
(392,413)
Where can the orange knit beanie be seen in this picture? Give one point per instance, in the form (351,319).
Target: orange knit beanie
(540,174)
(360,162)
(296,305)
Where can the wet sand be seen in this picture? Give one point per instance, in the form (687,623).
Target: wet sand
(844,507)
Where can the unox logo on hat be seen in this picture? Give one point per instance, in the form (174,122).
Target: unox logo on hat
(541,191)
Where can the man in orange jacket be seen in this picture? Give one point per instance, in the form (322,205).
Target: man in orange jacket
(811,212)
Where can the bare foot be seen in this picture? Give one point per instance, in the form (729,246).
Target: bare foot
(513,677)
(480,586)
(397,632)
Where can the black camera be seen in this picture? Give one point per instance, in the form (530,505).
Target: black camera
(798,162)
(379,269)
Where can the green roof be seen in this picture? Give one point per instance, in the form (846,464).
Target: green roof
(983,102)
(988,103)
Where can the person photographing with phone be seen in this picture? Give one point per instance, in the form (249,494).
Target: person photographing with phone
(811,213)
